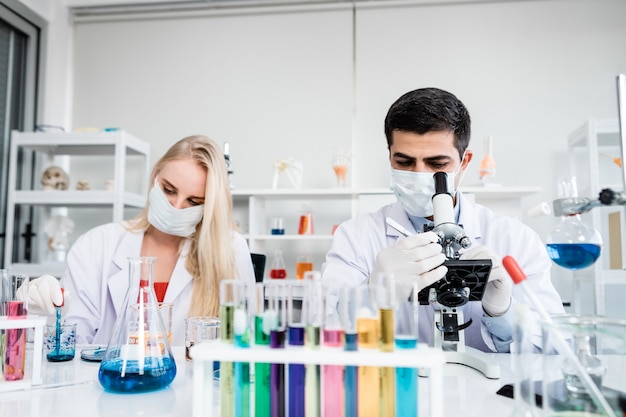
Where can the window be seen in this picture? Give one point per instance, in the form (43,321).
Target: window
(19,52)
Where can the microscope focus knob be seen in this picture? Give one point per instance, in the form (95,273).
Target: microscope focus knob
(607,196)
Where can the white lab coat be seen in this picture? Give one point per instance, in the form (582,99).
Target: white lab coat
(97,277)
(356,244)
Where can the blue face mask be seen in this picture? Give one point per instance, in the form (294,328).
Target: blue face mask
(170,220)
(415,190)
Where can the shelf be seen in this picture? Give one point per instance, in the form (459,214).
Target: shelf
(125,152)
(484,192)
(499,192)
(36,270)
(608,128)
(290,237)
(77,198)
(302,193)
(92,143)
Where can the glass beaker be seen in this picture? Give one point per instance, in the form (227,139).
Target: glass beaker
(340,161)
(573,244)
(598,345)
(138,357)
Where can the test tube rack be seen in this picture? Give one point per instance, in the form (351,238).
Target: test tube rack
(29,322)
(424,358)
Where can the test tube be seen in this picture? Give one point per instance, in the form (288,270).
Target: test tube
(367,339)
(261,370)
(384,289)
(296,313)
(347,314)
(227,335)
(15,339)
(314,300)
(241,329)
(276,318)
(332,375)
(406,337)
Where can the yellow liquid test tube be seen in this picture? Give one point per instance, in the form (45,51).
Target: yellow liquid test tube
(387,375)
(369,376)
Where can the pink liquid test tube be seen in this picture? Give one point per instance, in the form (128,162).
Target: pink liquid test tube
(15,344)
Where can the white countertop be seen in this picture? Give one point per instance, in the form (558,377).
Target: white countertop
(72,389)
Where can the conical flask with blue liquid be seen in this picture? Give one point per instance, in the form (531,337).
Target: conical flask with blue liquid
(573,244)
(138,357)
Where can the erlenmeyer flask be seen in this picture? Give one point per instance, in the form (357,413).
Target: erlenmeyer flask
(138,357)
(573,244)
(278,270)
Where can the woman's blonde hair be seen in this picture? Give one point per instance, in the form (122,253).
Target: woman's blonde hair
(212,255)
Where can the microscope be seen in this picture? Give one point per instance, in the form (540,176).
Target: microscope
(464,282)
(228,163)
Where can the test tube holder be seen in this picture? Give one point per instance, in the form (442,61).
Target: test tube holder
(29,322)
(424,357)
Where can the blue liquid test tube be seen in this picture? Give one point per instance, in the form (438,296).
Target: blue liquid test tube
(347,309)
(296,313)
(406,337)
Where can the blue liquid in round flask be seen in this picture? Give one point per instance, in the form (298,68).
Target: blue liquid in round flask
(138,357)
(573,244)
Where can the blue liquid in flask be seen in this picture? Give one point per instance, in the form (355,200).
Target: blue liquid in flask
(138,357)
(157,373)
(573,255)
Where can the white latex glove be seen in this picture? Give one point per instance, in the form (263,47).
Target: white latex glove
(44,294)
(497,295)
(415,259)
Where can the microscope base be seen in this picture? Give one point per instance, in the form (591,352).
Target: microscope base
(476,359)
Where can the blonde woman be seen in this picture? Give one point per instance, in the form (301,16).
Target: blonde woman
(187,225)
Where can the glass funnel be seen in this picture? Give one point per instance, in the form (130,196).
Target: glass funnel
(138,357)
(573,244)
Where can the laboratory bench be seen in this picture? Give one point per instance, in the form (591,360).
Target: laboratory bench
(72,389)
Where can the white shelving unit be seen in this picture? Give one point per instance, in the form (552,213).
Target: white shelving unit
(109,155)
(254,210)
(592,148)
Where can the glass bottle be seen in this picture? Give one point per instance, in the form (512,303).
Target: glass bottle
(138,357)
(278,270)
(573,244)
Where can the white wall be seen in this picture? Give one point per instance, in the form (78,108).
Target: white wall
(273,85)
(55,106)
(286,83)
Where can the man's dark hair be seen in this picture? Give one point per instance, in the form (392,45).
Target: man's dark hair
(429,110)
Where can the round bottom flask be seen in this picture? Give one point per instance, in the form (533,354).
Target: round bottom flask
(573,244)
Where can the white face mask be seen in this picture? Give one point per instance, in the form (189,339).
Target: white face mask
(415,190)
(170,220)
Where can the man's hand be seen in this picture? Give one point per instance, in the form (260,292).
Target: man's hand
(44,294)
(497,297)
(415,259)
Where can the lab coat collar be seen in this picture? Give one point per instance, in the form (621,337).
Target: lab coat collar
(130,246)
(468,217)
(180,276)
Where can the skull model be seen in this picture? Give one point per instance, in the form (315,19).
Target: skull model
(54,178)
